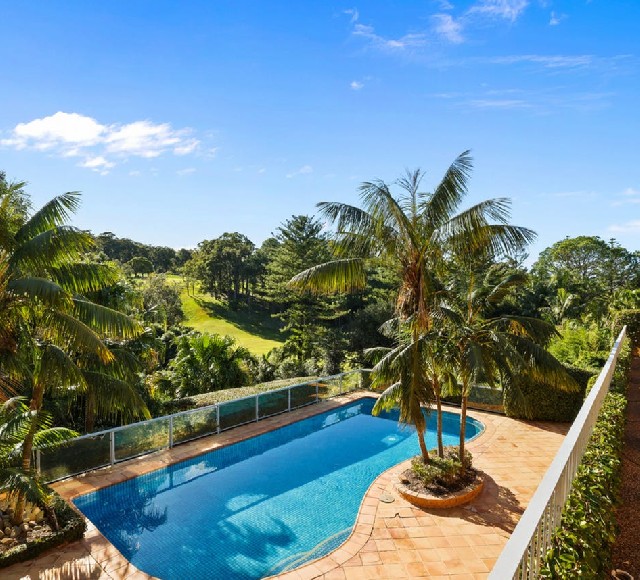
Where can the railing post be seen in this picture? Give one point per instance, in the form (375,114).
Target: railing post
(317,391)
(170,431)
(289,399)
(340,384)
(218,419)
(257,410)
(38,455)
(112,447)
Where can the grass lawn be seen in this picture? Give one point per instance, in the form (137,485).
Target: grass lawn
(256,331)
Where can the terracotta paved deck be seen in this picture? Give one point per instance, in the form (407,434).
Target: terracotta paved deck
(390,540)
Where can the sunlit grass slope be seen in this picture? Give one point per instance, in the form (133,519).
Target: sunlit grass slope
(255,331)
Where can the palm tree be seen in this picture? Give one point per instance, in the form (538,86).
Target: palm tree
(45,277)
(485,346)
(17,421)
(416,233)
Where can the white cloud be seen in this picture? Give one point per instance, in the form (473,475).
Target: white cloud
(56,130)
(557,61)
(76,135)
(356,85)
(98,163)
(506,9)
(446,26)
(499,104)
(304,170)
(556,19)
(629,195)
(353,12)
(411,40)
(632,227)
(186,171)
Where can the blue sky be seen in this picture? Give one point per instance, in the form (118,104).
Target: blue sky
(182,120)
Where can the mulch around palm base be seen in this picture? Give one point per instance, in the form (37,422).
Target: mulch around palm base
(626,551)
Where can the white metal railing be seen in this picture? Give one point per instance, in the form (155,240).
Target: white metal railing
(523,555)
(111,446)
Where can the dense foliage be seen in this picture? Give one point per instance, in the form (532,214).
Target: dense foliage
(537,400)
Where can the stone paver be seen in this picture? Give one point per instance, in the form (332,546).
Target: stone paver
(389,540)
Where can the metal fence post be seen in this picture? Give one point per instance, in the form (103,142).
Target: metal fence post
(317,391)
(340,384)
(289,399)
(170,431)
(112,447)
(257,409)
(38,455)
(218,419)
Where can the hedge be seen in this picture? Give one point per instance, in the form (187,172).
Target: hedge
(481,397)
(582,545)
(72,528)
(215,397)
(539,401)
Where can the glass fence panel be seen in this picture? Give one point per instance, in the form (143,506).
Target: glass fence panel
(355,380)
(303,395)
(332,386)
(272,403)
(194,424)
(141,438)
(75,457)
(234,413)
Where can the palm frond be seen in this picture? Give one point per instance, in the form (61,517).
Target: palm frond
(65,329)
(113,395)
(448,195)
(106,321)
(337,276)
(56,369)
(53,437)
(51,248)
(42,289)
(54,213)
(81,277)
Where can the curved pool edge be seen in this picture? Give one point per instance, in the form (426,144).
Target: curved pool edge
(366,517)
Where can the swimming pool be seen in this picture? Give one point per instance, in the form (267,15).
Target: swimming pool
(260,506)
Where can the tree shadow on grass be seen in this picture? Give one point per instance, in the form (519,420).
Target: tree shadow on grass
(257,323)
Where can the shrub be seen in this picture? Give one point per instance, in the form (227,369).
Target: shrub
(214,397)
(72,528)
(534,400)
(443,473)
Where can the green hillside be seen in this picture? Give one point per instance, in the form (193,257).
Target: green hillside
(257,332)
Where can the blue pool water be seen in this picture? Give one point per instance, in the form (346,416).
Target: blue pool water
(263,505)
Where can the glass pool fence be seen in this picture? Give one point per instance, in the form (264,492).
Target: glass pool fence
(111,446)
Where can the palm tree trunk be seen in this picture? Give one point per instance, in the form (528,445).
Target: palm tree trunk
(439,418)
(463,428)
(27,447)
(423,447)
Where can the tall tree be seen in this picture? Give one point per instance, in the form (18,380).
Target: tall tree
(307,317)
(588,268)
(415,232)
(224,266)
